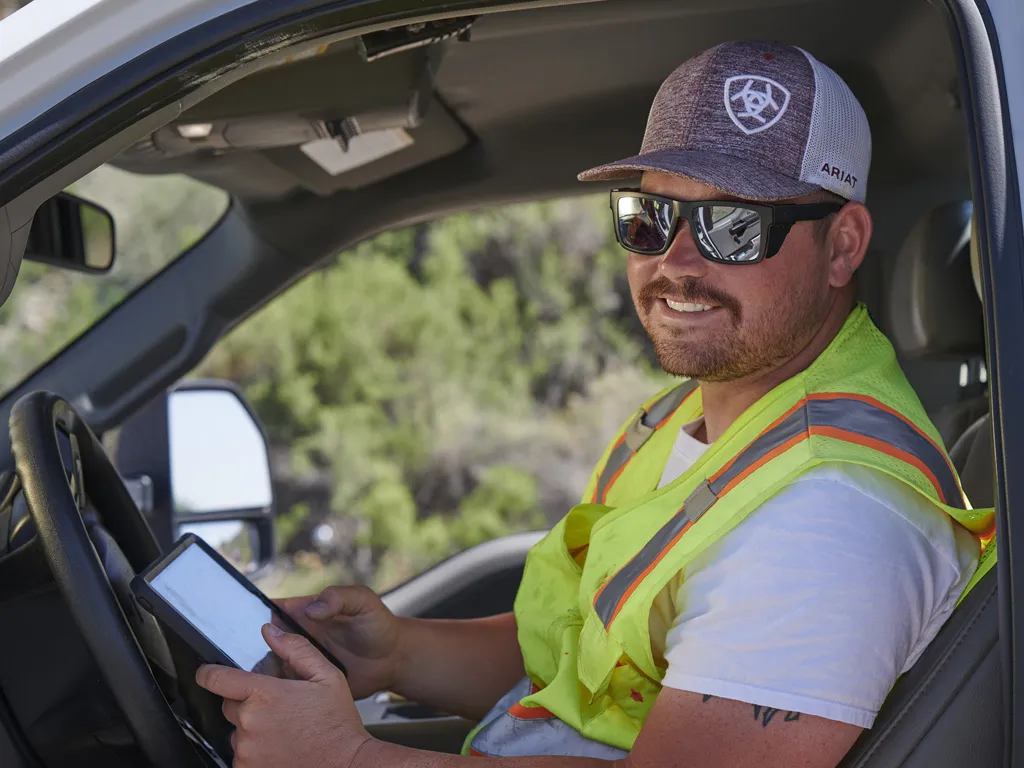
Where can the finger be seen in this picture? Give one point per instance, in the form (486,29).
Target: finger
(229,682)
(336,602)
(300,654)
(295,606)
(230,710)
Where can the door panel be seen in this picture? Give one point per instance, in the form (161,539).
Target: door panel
(481,581)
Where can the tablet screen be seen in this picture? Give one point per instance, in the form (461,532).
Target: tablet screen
(219,607)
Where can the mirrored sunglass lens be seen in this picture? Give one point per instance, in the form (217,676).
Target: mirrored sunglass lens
(643,223)
(729,233)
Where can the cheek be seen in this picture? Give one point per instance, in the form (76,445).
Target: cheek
(755,290)
(796,275)
(640,270)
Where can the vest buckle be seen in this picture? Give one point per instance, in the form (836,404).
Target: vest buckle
(699,502)
(637,432)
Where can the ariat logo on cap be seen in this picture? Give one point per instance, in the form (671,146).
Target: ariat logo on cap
(755,103)
(845,177)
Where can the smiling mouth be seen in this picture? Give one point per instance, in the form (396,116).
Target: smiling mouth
(686,306)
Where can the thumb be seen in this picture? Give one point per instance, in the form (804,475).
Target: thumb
(299,654)
(343,602)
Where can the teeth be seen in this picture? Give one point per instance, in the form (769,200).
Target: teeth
(685,306)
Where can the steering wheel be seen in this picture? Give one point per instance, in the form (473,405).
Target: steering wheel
(39,423)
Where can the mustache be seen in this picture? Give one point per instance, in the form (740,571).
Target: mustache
(691,290)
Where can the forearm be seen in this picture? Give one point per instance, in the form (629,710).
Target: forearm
(460,666)
(374,753)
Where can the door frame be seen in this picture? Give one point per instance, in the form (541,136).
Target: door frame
(992,90)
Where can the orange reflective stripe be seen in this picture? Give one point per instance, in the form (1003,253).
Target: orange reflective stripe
(761,461)
(868,418)
(679,520)
(654,418)
(869,442)
(853,418)
(528,713)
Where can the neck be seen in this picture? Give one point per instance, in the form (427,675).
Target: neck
(725,401)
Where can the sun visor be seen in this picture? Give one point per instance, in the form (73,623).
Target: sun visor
(332,121)
(326,167)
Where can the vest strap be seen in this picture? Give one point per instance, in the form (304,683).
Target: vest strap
(643,425)
(854,418)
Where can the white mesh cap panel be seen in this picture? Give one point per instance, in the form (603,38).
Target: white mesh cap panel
(838,153)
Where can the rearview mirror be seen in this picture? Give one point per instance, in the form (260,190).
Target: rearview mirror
(72,233)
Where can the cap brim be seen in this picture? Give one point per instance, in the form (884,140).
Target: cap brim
(735,176)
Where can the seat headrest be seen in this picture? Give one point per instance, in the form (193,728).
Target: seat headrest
(935,309)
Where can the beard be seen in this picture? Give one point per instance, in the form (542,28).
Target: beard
(746,343)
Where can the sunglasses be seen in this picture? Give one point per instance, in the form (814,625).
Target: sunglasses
(727,232)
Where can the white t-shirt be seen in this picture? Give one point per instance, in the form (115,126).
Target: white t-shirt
(819,599)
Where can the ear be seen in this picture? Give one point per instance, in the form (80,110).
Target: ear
(848,240)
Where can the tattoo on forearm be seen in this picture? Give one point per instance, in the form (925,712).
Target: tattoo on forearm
(763,714)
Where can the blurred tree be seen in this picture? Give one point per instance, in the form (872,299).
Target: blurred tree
(442,385)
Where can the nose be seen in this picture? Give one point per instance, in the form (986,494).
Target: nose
(682,259)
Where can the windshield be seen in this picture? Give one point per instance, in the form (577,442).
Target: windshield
(156,219)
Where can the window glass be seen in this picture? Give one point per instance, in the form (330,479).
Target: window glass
(439,386)
(156,219)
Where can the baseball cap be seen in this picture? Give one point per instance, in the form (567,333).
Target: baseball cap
(760,120)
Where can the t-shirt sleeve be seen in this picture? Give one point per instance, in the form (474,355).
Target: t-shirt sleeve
(816,602)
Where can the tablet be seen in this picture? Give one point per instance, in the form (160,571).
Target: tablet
(202,598)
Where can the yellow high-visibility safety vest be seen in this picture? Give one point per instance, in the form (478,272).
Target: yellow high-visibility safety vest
(584,603)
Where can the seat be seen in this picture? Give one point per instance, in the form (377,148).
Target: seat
(948,709)
(972,456)
(934,309)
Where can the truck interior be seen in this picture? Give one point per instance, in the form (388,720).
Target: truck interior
(354,134)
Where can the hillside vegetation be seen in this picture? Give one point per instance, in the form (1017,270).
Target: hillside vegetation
(428,390)
(439,386)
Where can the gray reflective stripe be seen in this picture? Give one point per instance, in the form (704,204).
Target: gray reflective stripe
(615,589)
(861,418)
(508,736)
(638,432)
(618,458)
(667,404)
(793,425)
(848,414)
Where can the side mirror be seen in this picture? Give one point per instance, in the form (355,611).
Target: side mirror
(201,455)
(72,233)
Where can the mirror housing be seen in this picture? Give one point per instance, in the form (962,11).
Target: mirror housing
(198,457)
(72,233)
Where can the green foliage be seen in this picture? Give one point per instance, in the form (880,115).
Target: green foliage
(506,499)
(436,381)
(426,391)
(288,523)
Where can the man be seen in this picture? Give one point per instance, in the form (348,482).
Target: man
(757,558)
